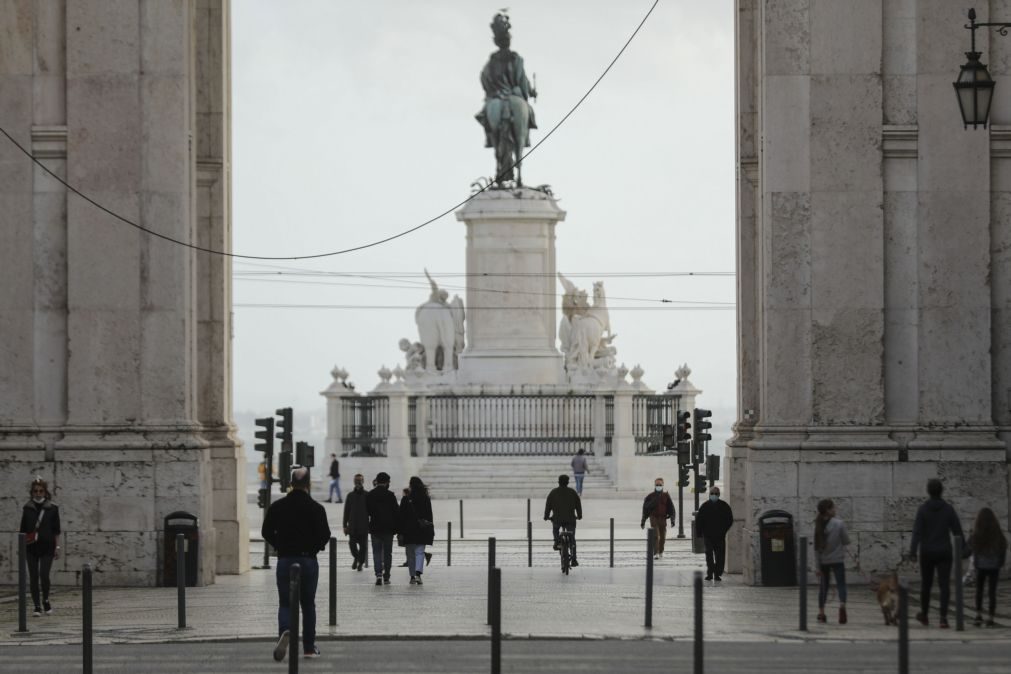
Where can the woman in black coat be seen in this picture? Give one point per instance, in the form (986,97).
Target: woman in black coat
(416,527)
(40,522)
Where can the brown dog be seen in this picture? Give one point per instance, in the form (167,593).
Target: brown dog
(888,598)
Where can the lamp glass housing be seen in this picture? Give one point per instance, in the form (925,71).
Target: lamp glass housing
(974,89)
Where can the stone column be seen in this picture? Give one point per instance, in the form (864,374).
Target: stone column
(623,441)
(512,288)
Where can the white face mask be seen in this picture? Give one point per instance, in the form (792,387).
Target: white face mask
(659,488)
(39,499)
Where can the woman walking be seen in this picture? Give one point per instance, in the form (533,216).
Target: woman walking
(988,545)
(40,522)
(416,526)
(830,541)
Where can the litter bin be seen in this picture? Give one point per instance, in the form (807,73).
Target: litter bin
(186,524)
(779,565)
(698,543)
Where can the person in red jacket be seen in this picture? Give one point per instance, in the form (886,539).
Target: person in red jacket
(658,508)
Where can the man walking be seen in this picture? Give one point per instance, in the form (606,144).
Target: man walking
(356,522)
(712,522)
(936,522)
(335,479)
(579,468)
(658,507)
(297,528)
(383,512)
(563,507)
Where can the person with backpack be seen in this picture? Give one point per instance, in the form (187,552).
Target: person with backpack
(40,523)
(416,526)
(830,541)
(989,547)
(935,522)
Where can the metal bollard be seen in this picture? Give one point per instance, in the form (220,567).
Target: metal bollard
(491,567)
(496,623)
(530,543)
(699,640)
(802,583)
(22,583)
(294,582)
(449,544)
(368,546)
(650,542)
(461,519)
(181,579)
(333,581)
(86,637)
(528,510)
(903,628)
(612,543)
(959,588)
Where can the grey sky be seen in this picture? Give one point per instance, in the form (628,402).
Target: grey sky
(354,120)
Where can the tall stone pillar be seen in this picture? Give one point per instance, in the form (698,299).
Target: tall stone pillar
(511,288)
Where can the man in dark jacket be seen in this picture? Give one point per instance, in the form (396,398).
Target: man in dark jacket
(935,520)
(564,507)
(383,515)
(658,507)
(297,528)
(335,479)
(712,522)
(356,522)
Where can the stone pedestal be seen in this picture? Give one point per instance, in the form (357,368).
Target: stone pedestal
(511,289)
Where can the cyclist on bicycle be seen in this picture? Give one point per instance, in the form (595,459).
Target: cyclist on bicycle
(563,508)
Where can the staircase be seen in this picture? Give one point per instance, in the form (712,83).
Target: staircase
(506,476)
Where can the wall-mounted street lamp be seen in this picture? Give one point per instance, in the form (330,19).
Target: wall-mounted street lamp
(974,87)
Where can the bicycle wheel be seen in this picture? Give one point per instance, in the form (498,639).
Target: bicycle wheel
(565,554)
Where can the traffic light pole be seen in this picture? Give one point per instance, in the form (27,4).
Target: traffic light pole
(681,509)
(266,504)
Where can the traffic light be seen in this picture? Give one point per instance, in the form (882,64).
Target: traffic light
(683,434)
(700,484)
(267,435)
(263,498)
(305,454)
(713,468)
(684,456)
(284,427)
(669,436)
(702,435)
(284,469)
(683,475)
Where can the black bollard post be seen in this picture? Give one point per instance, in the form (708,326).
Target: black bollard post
(496,622)
(959,588)
(86,650)
(294,592)
(528,510)
(530,543)
(903,628)
(22,583)
(611,547)
(181,579)
(650,542)
(449,544)
(802,582)
(461,519)
(333,581)
(699,642)
(681,510)
(491,567)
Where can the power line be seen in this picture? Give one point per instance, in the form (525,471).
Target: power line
(280,305)
(405,232)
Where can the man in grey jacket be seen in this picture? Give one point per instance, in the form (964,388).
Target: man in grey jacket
(579,468)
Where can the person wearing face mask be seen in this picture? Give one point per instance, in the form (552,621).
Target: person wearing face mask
(658,507)
(356,522)
(713,521)
(40,522)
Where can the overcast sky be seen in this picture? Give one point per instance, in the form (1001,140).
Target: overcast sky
(353,121)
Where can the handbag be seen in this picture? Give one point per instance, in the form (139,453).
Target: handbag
(33,536)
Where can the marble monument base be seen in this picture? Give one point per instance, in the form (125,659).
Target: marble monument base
(510,368)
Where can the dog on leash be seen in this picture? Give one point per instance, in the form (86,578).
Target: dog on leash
(888,598)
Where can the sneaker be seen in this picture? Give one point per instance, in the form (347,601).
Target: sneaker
(37,612)
(574,563)
(404,564)
(314,653)
(718,579)
(922,617)
(359,567)
(842,615)
(282,646)
(418,580)
(379,581)
(354,565)
(47,607)
(428,558)
(656,556)
(554,547)
(822,618)
(414,580)
(943,623)
(386,580)
(709,576)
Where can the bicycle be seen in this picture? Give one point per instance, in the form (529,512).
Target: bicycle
(566,547)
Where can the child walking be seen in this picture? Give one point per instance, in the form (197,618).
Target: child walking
(830,541)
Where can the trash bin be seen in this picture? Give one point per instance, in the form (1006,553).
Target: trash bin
(186,524)
(698,543)
(779,564)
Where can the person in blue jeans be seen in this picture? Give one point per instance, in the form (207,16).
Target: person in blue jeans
(830,541)
(579,468)
(297,528)
(384,514)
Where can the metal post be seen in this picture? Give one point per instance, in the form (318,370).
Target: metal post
(294,581)
(491,567)
(611,548)
(270,484)
(959,593)
(22,583)
(181,579)
(333,581)
(496,622)
(86,650)
(528,510)
(698,623)
(461,519)
(802,583)
(530,543)
(903,628)
(681,510)
(650,541)
(449,544)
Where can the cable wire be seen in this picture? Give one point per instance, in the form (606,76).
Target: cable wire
(212,251)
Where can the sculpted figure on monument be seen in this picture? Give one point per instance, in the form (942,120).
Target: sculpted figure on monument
(582,330)
(437,328)
(507,116)
(414,354)
(574,303)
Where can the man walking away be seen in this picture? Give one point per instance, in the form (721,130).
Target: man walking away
(579,468)
(713,521)
(297,528)
(356,522)
(563,507)
(935,519)
(335,479)
(383,514)
(658,507)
